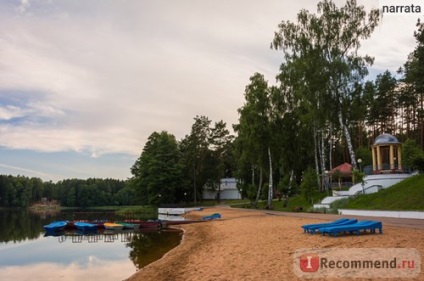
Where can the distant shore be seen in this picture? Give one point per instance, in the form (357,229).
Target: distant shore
(256,245)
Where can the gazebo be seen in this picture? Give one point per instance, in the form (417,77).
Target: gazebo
(386,155)
(344,170)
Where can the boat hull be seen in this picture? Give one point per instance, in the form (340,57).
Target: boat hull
(85,226)
(128,225)
(55,226)
(150,224)
(113,226)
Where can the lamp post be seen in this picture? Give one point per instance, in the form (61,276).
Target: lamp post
(360,164)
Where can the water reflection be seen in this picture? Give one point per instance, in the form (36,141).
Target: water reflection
(93,268)
(146,246)
(19,225)
(27,253)
(149,247)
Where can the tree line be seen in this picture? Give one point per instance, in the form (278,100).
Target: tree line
(21,191)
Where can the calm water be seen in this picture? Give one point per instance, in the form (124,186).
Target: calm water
(27,254)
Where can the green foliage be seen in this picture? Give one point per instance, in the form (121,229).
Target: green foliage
(294,202)
(382,106)
(411,154)
(406,195)
(414,67)
(253,128)
(18,191)
(22,192)
(139,212)
(250,192)
(419,163)
(321,63)
(206,156)
(364,153)
(157,173)
(287,188)
(337,176)
(340,204)
(357,176)
(309,184)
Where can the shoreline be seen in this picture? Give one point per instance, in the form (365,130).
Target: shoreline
(259,245)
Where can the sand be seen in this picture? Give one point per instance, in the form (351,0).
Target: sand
(256,245)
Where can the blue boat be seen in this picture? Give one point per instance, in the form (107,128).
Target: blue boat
(212,217)
(55,226)
(85,226)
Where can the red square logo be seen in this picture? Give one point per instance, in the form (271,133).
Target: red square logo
(309,262)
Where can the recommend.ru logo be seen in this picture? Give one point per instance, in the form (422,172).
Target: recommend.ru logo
(357,263)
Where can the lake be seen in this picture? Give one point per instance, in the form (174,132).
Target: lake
(27,254)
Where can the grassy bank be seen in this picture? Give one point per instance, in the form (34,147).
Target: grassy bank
(295,203)
(138,212)
(407,195)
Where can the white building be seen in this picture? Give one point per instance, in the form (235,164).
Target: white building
(228,190)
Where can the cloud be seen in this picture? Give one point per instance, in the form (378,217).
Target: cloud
(116,84)
(95,269)
(20,170)
(23,6)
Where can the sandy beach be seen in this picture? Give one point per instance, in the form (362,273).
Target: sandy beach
(259,245)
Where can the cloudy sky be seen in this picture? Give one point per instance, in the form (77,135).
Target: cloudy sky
(83,83)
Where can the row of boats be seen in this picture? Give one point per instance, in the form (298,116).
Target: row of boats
(95,225)
(170,218)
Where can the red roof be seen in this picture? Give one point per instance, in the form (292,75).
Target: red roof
(344,168)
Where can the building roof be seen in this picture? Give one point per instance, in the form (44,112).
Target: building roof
(344,168)
(386,139)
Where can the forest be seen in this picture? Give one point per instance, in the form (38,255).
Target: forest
(323,111)
(21,191)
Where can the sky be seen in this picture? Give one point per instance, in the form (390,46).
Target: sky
(83,83)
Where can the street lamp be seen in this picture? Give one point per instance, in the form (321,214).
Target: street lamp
(360,164)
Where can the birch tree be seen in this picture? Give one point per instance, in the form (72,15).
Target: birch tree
(333,37)
(254,129)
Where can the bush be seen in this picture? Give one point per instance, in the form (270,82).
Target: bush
(418,163)
(340,204)
(309,184)
(412,155)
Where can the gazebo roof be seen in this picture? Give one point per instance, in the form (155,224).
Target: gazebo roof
(344,168)
(386,139)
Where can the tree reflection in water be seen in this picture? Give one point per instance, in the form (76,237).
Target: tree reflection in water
(17,225)
(151,246)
